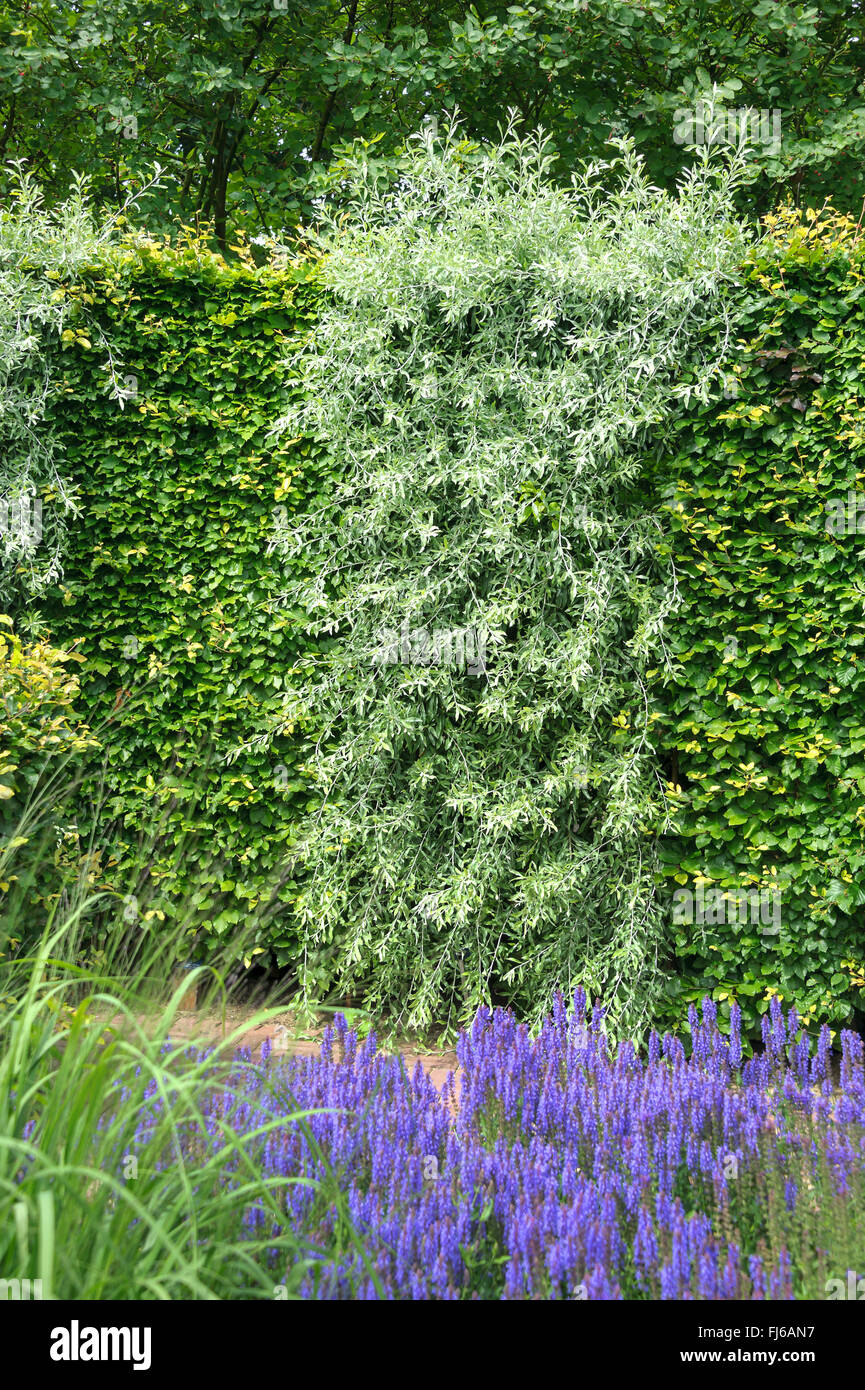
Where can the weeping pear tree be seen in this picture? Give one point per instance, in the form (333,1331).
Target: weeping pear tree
(485,584)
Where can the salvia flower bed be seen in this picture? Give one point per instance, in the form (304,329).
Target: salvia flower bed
(559,1166)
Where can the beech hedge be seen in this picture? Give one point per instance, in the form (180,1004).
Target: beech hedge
(170,593)
(762,719)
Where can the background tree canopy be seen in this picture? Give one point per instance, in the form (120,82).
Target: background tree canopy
(245,103)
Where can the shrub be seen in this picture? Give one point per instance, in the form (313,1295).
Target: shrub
(42,743)
(495,358)
(38,722)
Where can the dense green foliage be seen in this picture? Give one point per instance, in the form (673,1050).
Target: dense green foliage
(42,739)
(243,104)
(167,589)
(430,578)
(508,633)
(38,719)
(495,356)
(763,708)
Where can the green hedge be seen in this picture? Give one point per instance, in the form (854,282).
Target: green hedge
(170,388)
(765,721)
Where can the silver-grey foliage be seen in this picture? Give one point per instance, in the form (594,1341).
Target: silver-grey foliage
(42,252)
(495,366)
